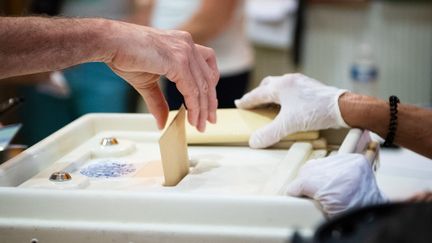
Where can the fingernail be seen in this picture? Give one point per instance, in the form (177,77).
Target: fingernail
(203,126)
(192,121)
(160,125)
(212,117)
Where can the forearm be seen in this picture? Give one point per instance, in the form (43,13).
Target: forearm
(414,130)
(30,79)
(34,44)
(136,53)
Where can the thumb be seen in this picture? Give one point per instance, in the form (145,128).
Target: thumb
(269,134)
(295,188)
(303,186)
(148,87)
(156,103)
(256,97)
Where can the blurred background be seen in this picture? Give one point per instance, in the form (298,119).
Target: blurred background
(376,47)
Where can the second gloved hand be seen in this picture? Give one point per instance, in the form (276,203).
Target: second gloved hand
(306,104)
(338,183)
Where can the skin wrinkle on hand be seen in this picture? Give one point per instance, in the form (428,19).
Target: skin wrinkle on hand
(210,19)
(65,42)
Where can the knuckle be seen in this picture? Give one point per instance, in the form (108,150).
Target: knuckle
(194,93)
(211,52)
(266,80)
(193,106)
(215,76)
(186,36)
(204,88)
(186,48)
(296,76)
(182,59)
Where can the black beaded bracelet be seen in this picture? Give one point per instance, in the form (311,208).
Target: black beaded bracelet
(393,101)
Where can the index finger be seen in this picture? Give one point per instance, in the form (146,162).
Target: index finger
(254,98)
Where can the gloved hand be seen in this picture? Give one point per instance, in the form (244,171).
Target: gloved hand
(338,183)
(306,104)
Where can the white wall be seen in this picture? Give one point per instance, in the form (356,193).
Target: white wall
(400,33)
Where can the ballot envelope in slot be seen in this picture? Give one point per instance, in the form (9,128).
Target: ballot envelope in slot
(76,185)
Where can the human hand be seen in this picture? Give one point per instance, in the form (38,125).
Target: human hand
(425,196)
(141,54)
(306,104)
(338,183)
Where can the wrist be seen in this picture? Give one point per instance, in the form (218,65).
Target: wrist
(120,41)
(104,34)
(340,120)
(364,112)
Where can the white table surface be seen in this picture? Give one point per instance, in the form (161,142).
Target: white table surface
(403,173)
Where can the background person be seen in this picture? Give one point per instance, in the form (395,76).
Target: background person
(219,25)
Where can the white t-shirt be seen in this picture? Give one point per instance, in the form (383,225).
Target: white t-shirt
(233,50)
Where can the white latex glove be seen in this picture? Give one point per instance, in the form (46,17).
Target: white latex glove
(306,104)
(338,183)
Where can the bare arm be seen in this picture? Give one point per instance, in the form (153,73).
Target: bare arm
(139,54)
(33,45)
(414,130)
(211,19)
(308,105)
(30,79)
